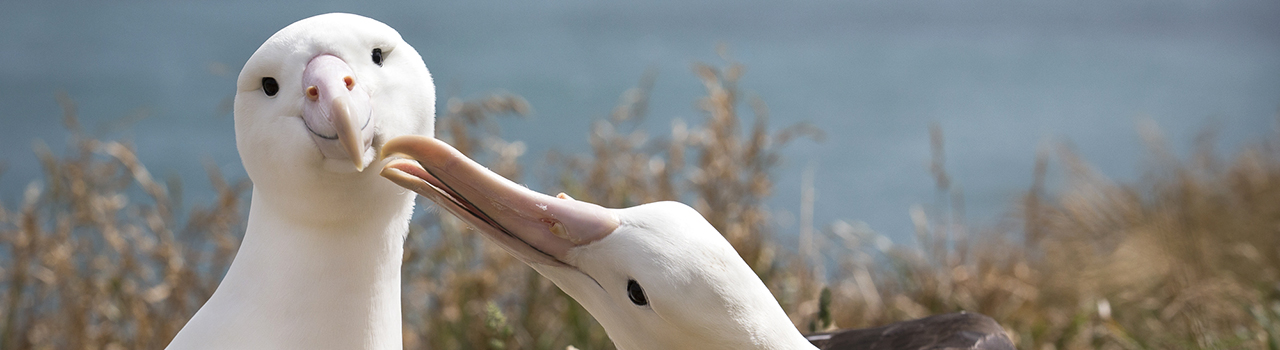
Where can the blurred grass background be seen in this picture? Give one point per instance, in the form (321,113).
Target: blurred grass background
(101,255)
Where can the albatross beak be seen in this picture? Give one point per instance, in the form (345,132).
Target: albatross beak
(337,110)
(348,132)
(532,226)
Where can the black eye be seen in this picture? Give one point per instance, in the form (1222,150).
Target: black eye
(636,293)
(269,86)
(377,57)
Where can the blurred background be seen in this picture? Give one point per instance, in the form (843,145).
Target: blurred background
(1002,78)
(916,124)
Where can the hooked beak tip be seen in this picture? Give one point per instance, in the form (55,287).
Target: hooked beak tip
(348,131)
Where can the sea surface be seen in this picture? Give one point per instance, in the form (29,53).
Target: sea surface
(1003,79)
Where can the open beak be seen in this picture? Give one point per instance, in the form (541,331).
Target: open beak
(534,227)
(337,110)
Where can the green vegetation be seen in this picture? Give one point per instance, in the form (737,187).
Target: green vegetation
(95,258)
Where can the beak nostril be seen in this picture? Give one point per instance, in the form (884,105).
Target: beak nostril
(351,83)
(313,93)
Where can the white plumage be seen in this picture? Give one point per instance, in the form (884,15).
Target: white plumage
(319,266)
(656,276)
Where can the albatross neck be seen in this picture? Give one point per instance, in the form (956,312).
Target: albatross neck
(321,284)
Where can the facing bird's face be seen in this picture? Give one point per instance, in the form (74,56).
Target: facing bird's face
(317,100)
(656,276)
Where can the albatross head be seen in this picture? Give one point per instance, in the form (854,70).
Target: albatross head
(318,99)
(319,266)
(656,276)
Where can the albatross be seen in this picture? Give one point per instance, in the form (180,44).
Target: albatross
(319,266)
(657,275)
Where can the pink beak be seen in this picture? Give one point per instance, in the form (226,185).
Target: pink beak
(532,226)
(337,110)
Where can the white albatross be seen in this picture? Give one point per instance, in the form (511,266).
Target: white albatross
(319,267)
(656,276)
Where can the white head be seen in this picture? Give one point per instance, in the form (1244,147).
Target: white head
(316,102)
(320,263)
(696,291)
(656,276)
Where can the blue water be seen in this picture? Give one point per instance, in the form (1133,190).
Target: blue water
(1002,78)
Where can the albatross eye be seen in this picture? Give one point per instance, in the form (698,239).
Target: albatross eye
(636,293)
(269,86)
(377,57)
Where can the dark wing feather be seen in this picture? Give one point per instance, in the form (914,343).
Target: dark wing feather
(951,331)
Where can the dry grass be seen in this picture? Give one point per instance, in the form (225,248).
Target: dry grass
(98,256)
(95,257)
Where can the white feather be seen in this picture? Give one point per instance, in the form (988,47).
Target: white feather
(701,294)
(319,266)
